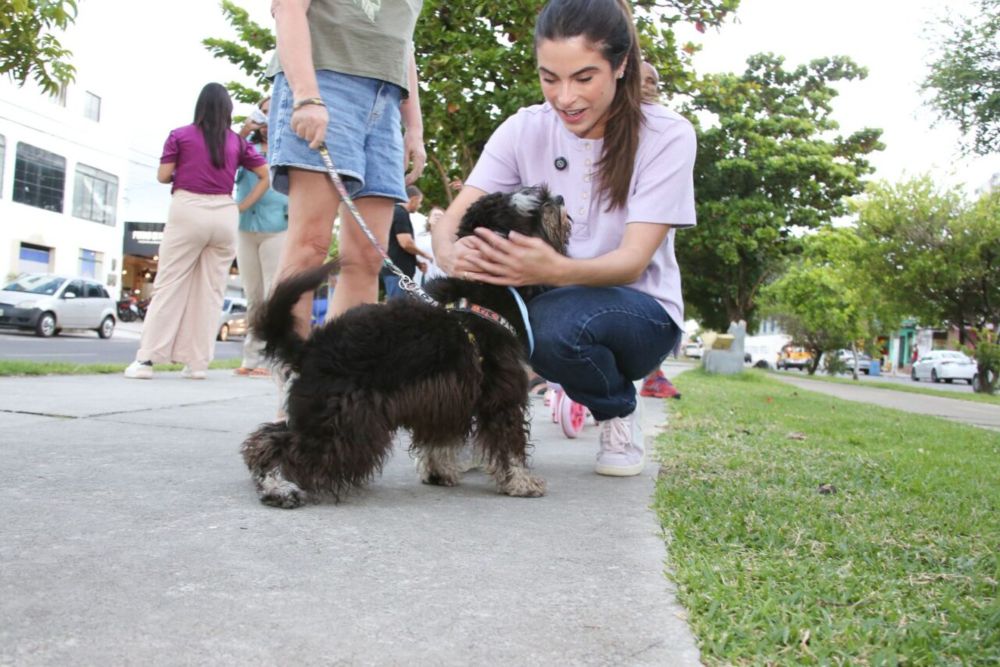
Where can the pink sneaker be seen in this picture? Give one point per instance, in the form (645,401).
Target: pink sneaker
(622,452)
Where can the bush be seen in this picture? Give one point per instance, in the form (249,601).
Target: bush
(987,355)
(833,364)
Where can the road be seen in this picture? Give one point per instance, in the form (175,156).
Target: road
(84,347)
(957,386)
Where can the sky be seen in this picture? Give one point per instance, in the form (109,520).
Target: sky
(150,73)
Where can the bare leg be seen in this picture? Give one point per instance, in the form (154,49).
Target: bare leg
(360,262)
(312,208)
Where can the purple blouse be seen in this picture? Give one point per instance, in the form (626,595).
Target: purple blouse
(195,172)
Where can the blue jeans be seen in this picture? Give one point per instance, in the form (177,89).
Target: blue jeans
(595,341)
(392,288)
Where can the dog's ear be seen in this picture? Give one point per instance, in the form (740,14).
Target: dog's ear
(490,211)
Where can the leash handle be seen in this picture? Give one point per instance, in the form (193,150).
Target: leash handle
(405,282)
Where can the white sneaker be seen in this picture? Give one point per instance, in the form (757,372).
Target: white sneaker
(623,453)
(186,372)
(140,370)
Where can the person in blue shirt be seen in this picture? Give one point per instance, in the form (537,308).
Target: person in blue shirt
(261,238)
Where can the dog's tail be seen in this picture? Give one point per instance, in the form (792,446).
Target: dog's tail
(274,323)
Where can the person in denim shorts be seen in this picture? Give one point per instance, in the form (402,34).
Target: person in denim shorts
(344,75)
(625,170)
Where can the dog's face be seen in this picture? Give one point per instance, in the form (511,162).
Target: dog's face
(530,211)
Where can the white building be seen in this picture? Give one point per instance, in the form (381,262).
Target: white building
(62,178)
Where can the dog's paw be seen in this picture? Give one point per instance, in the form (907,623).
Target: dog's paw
(439,479)
(437,468)
(523,485)
(285,495)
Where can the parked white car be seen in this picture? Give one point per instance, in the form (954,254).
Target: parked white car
(48,304)
(693,350)
(947,365)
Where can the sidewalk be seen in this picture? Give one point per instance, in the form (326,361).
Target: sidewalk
(132,535)
(982,415)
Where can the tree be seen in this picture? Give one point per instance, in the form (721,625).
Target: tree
(964,78)
(769,167)
(822,302)
(28,49)
(251,53)
(477,66)
(933,253)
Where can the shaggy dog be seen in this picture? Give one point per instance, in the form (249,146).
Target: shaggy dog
(448,374)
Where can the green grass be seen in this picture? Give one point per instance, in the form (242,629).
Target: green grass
(898,566)
(9,368)
(913,388)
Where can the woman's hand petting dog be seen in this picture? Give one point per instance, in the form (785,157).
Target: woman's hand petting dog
(516,260)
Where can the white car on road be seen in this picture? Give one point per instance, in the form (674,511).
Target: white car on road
(947,365)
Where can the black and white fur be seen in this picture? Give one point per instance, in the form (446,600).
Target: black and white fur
(449,376)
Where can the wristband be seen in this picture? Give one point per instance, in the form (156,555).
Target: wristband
(298,104)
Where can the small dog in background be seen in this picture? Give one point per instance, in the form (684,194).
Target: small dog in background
(448,374)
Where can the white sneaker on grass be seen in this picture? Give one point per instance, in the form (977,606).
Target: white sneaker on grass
(186,372)
(623,452)
(140,370)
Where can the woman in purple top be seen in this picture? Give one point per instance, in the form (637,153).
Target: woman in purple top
(625,170)
(199,239)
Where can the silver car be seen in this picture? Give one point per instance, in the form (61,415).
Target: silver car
(233,321)
(48,304)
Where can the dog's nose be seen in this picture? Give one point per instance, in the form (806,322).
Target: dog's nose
(558,200)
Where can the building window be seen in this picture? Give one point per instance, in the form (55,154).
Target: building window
(39,178)
(91,264)
(95,195)
(91,106)
(34,259)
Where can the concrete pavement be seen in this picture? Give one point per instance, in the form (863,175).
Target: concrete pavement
(983,415)
(132,535)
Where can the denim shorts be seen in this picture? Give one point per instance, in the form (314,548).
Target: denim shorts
(364,135)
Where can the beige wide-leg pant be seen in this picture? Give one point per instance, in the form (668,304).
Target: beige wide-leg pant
(198,247)
(257,254)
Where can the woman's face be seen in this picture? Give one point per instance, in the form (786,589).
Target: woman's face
(579,84)
(265,108)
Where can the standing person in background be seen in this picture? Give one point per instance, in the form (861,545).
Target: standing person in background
(199,239)
(650,83)
(402,248)
(626,172)
(424,241)
(261,238)
(656,384)
(344,76)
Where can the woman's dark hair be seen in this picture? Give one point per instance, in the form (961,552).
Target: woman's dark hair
(608,26)
(213,113)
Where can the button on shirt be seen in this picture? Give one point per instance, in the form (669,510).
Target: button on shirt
(523,151)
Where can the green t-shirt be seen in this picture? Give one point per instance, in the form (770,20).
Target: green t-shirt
(371,38)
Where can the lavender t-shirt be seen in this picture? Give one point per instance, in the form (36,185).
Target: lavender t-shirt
(195,172)
(525,148)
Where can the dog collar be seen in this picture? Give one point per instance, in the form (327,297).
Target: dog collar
(465,306)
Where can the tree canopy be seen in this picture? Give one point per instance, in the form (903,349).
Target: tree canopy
(932,252)
(823,302)
(27,47)
(964,78)
(770,166)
